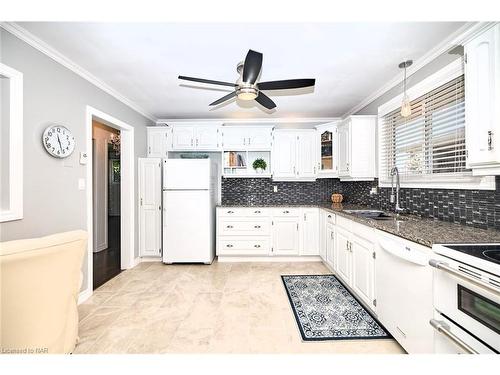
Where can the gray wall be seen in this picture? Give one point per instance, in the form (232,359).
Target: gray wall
(438,63)
(54,94)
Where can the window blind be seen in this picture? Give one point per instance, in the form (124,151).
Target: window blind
(429,144)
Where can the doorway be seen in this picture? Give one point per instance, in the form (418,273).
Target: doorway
(106,168)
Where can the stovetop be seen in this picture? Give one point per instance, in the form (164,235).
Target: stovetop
(489,253)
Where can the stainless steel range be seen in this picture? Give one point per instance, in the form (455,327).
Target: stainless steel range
(466,289)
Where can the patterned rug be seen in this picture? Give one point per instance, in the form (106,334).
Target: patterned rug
(326,310)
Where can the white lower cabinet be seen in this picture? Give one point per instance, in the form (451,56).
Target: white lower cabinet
(343,255)
(309,243)
(363,269)
(285,235)
(330,245)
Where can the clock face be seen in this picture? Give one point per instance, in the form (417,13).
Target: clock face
(58,141)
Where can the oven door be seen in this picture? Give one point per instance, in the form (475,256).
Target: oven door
(468,297)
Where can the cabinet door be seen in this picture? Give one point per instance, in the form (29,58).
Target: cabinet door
(344,149)
(157,142)
(330,245)
(310,232)
(284,155)
(482,110)
(259,139)
(183,138)
(207,137)
(343,255)
(149,206)
(363,269)
(234,138)
(307,153)
(286,236)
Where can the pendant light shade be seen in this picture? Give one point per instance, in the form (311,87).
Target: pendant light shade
(405,105)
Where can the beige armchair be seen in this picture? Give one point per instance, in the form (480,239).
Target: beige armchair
(39,285)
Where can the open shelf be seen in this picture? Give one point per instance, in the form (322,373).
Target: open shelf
(239,164)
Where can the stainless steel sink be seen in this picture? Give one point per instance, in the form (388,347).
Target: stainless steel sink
(375,215)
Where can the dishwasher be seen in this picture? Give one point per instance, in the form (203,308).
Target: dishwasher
(404,292)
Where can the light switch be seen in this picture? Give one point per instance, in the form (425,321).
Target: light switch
(275,188)
(83,158)
(81,184)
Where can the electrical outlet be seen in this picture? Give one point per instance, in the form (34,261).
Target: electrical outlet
(374,190)
(275,188)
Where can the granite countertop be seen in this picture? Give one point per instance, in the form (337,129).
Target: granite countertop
(425,231)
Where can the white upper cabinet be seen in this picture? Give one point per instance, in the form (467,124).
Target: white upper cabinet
(242,138)
(158,139)
(327,139)
(482,102)
(356,147)
(195,136)
(295,155)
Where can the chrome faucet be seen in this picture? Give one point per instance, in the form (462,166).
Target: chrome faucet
(395,172)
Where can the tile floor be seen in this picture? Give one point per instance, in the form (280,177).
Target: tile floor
(221,308)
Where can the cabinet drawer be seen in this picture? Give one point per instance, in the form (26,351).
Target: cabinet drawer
(329,217)
(243,211)
(286,211)
(243,227)
(243,246)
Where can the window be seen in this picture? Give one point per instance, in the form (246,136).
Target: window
(428,148)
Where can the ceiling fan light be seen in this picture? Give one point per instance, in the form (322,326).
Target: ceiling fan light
(247,96)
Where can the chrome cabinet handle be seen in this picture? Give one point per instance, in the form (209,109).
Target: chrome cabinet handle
(196,141)
(244,141)
(294,170)
(462,275)
(256,226)
(257,246)
(229,226)
(230,212)
(249,141)
(256,212)
(286,212)
(444,329)
(149,149)
(490,140)
(229,245)
(191,141)
(330,216)
(331,235)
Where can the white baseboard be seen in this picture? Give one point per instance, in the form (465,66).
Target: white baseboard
(227,258)
(85,295)
(147,259)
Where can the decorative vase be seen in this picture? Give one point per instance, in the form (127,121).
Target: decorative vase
(259,170)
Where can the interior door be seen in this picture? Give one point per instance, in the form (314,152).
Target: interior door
(310,231)
(150,206)
(307,153)
(284,155)
(286,236)
(343,261)
(363,269)
(183,138)
(207,137)
(344,149)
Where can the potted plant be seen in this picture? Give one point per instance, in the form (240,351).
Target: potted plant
(259,165)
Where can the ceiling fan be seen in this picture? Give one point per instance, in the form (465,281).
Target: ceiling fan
(247,87)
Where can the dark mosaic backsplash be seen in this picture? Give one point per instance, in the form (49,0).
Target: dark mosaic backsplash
(479,208)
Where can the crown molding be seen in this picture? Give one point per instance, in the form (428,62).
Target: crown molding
(55,55)
(280,120)
(463,34)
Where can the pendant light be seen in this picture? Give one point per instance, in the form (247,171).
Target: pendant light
(405,105)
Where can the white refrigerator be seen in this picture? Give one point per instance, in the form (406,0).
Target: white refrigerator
(189,199)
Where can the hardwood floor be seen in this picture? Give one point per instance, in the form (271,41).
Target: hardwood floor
(107,262)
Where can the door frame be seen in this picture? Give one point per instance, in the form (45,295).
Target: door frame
(127,198)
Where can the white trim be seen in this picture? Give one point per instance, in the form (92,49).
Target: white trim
(127,192)
(147,259)
(251,121)
(298,258)
(446,74)
(466,32)
(15,211)
(55,55)
(85,295)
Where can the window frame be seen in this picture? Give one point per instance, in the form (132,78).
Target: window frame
(436,181)
(15,146)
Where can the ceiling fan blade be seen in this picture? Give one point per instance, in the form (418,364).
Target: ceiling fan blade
(202,80)
(286,84)
(252,66)
(264,100)
(224,98)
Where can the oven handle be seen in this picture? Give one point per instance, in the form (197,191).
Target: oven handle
(444,329)
(480,283)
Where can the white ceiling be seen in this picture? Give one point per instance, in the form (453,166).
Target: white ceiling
(142,61)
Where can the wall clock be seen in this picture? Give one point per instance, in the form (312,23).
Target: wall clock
(58,141)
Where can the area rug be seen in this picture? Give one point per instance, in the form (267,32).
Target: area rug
(325,310)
